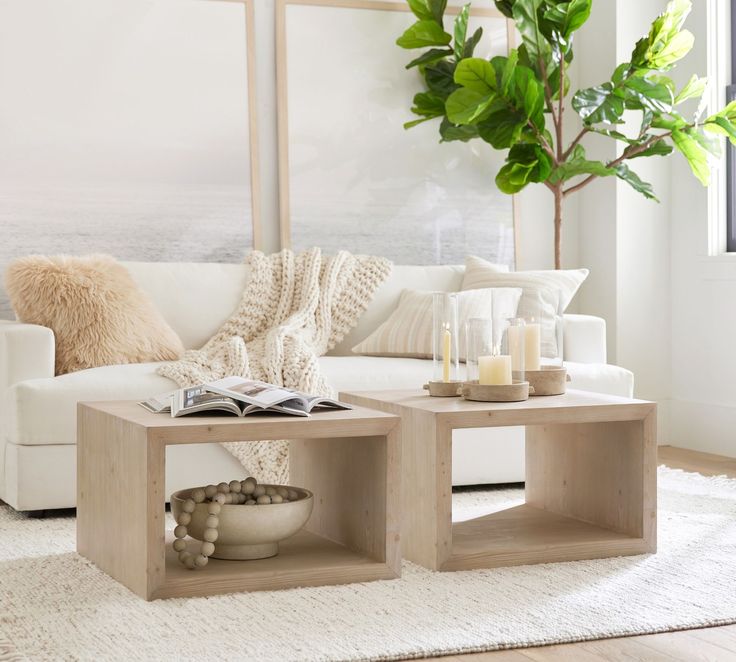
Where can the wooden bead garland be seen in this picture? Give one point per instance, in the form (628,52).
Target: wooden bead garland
(247,492)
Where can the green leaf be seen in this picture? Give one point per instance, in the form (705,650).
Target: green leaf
(671,123)
(567,17)
(529,95)
(413,123)
(476,74)
(430,57)
(659,148)
(505,7)
(428,105)
(466,106)
(695,155)
(599,104)
(728,113)
(647,117)
(421,10)
(424,33)
(710,144)
(722,126)
(677,48)
(509,65)
(656,97)
(502,128)
(666,43)
(630,177)
(451,132)
(437,7)
(526,16)
(616,135)
(440,78)
(513,177)
(471,43)
(461,31)
(694,88)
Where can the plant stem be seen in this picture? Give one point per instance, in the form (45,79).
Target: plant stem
(558,225)
(627,154)
(578,138)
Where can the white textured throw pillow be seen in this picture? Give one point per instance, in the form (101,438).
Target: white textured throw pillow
(545,293)
(408,330)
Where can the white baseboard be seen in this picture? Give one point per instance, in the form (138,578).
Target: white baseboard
(703,427)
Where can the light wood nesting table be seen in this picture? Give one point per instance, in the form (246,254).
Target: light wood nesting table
(350,460)
(591,478)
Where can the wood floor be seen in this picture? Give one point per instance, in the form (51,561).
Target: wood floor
(707,644)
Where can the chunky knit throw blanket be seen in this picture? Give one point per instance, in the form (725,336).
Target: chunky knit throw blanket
(294,309)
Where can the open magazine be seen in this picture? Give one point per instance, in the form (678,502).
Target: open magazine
(238,396)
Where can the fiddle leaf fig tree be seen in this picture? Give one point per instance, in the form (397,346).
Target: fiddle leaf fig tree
(517,103)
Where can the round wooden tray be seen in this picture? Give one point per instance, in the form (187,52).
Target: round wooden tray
(443,389)
(550,380)
(516,392)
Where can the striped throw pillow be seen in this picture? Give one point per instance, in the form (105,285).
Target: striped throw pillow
(408,330)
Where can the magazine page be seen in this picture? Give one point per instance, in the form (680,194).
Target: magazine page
(257,393)
(199,399)
(318,402)
(159,404)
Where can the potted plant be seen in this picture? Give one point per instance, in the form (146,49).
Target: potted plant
(517,103)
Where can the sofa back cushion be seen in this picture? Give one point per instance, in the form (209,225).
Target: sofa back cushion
(195,298)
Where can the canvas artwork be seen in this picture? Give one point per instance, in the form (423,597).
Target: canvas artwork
(129,130)
(351,175)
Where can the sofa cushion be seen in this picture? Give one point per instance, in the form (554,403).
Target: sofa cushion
(43,411)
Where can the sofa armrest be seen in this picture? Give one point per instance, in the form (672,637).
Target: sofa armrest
(27,351)
(584,338)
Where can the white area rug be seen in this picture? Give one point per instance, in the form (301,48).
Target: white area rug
(56,606)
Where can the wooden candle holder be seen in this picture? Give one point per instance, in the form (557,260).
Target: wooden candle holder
(515,392)
(444,389)
(549,380)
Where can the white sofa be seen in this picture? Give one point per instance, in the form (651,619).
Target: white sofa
(38,410)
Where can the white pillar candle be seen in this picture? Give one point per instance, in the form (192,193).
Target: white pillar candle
(532,346)
(446,345)
(516,346)
(494,369)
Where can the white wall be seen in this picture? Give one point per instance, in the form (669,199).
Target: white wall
(703,389)
(667,300)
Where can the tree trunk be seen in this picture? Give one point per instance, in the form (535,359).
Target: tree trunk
(558,227)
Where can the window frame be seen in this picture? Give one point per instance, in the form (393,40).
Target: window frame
(730,149)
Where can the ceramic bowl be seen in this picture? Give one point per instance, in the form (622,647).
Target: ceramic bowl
(249,532)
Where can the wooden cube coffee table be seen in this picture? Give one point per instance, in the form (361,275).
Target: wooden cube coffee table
(591,478)
(349,459)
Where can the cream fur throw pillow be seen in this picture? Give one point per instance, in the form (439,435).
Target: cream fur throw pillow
(98,314)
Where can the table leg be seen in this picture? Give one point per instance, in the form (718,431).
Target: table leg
(120,500)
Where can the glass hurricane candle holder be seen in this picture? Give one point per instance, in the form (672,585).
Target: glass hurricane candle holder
(478,342)
(495,362)
(445,338)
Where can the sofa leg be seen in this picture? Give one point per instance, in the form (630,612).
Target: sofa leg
(36,514)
